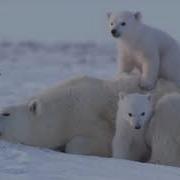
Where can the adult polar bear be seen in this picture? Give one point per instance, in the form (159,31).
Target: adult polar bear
(152,51)
(78,114)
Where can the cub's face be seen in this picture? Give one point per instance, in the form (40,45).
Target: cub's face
(122,24)
(136,109)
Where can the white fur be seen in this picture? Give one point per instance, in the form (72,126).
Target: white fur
(135,108)
(158,140)
(163,135)
(130,143)
(134,111)
(152,51)
(77,114)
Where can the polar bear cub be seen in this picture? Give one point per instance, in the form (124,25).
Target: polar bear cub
(134,111)
(152,51)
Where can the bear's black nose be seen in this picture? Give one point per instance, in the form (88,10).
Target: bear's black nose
(113,31)
(137,127)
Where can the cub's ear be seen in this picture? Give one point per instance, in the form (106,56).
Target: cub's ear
(122,95)
(34,106)
(109,14)
(138,16)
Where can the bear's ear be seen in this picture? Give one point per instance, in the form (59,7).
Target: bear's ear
(138,16)
(109,14)
(34,106)
(122,95)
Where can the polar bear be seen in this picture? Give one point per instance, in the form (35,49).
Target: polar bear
(163,133)
(134,112)
(152,51)
(78,114)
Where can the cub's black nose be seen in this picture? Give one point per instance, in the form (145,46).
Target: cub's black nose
(113,31)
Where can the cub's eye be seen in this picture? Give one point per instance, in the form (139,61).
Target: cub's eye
(143,113)
(112,24)
(6,114)
(130,115)
(123,24)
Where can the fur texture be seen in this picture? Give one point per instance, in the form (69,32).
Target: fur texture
(78,114)
(163,135)
(134,112)
(152,51)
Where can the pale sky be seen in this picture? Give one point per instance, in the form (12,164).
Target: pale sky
(79,20)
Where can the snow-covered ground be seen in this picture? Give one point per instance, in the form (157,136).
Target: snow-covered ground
(28,67)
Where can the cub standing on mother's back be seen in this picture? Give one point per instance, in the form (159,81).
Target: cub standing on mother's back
(152,51)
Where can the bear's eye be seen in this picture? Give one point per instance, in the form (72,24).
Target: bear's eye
(112,23)
(143,113)
(123,24)
(129,114)
(6,114)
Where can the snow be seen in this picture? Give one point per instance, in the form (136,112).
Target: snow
(27,163)
(28,67)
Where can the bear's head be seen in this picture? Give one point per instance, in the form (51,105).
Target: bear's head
(123,24)
(16,120)
(136,109)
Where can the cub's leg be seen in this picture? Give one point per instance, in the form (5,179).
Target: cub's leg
(150,72)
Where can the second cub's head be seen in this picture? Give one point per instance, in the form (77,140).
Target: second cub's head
(135,108)
(123,24)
